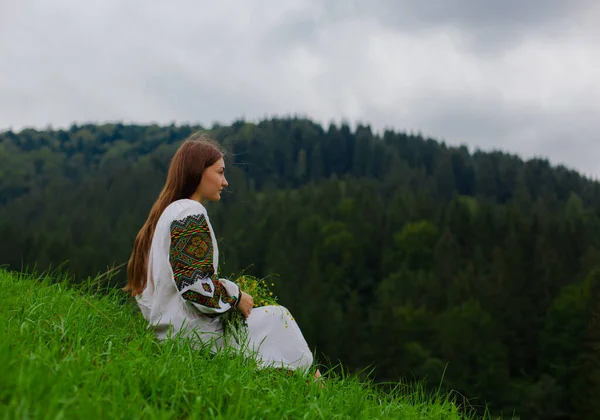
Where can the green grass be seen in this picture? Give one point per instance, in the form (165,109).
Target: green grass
(69,353)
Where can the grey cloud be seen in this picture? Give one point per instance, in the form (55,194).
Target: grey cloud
(185,99)
(478,13)
(570,138)
(484,24)
(388,64)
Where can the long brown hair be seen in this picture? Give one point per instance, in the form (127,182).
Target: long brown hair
(197,153)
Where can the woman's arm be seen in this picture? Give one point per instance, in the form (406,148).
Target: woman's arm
(191,256)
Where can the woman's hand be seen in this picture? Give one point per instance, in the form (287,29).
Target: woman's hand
(245,305)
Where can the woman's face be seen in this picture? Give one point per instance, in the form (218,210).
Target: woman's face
(213,181)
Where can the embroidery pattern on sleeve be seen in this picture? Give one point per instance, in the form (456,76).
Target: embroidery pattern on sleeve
(191,257)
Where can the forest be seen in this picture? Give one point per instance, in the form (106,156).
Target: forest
(401,257)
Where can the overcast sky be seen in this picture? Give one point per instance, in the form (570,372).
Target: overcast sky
(520,76)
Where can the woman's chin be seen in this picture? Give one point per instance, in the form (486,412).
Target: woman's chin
(216,197)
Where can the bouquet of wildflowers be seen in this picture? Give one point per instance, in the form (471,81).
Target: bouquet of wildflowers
(261,293)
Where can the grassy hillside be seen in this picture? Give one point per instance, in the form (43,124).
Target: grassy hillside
(72,353)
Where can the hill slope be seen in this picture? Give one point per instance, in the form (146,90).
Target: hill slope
(67,353)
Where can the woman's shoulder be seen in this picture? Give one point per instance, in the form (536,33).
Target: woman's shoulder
(180,209)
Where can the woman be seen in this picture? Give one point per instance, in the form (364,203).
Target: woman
(172,271)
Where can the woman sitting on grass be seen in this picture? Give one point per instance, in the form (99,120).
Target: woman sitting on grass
(172,271)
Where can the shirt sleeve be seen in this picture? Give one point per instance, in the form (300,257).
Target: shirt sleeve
(191,256)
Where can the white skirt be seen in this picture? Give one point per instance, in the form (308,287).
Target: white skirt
(274,340)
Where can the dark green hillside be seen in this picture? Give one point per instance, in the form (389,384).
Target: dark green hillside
(397,251)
